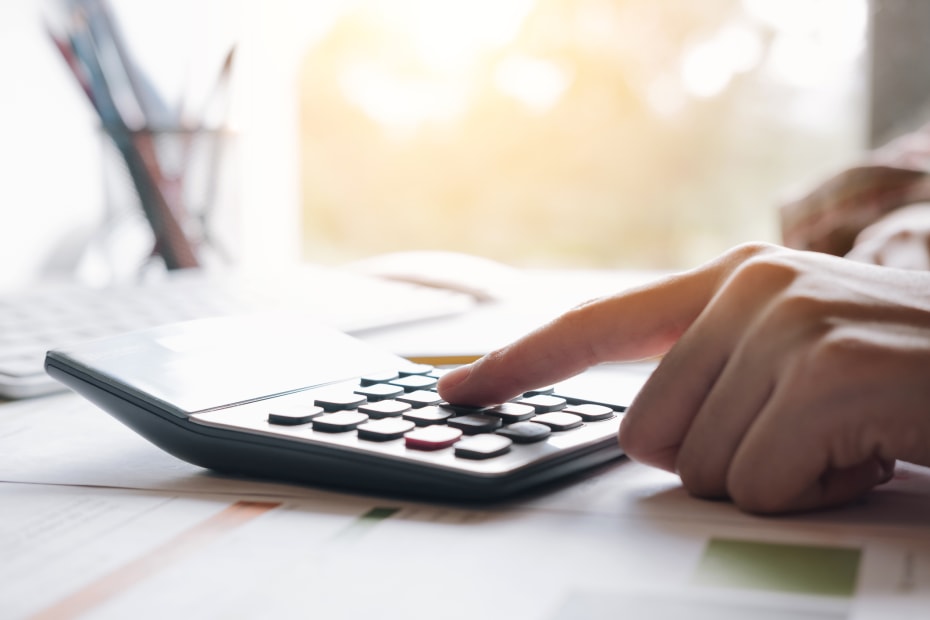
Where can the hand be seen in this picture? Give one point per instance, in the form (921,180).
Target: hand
(901,239)
(790,380)
(830,217)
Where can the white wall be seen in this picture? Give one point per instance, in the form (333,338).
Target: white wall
(50,180)
(275,37)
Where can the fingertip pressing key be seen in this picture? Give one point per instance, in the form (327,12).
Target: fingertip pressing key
(451,382)
(484,382)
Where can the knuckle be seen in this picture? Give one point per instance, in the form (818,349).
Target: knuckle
(834,348)
(761,277)
(701,478)
(902,236)
(757,494)
(766,268)
(798,308)
(751,249)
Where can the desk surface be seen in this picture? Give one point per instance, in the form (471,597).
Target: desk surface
(95,519)
(97,523)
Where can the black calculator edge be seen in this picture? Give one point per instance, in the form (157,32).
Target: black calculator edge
(224,451)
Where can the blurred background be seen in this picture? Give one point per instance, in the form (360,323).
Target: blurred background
(588,132)
(596,133)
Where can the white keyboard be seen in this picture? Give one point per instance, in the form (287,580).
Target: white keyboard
(63,315)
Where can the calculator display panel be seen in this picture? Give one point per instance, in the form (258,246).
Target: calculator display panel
(213,363)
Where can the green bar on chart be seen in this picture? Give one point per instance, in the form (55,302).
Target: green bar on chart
(800,569)
(365,522)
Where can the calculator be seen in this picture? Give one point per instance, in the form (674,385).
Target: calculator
(283,398)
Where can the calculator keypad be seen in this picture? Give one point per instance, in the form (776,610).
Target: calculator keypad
(400,415)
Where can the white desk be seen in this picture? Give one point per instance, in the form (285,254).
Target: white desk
(97,523)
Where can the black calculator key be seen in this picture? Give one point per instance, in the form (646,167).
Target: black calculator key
(412,383)
(559,420)
(416,369)
(425,416)
(475,423)
(420,398)
(294,415)
(384,430)
(465,409)
(544,403)
(339,422)
(432,437)
(482,446)
(339,402)
(590,412)
(525,432)
(379,377)
(379,391)
(512,412)
(384,409)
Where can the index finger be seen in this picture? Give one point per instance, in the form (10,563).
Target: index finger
(637,324)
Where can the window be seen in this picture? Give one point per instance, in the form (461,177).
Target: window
(571,132)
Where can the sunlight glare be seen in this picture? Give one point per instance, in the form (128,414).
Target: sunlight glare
(399,103)
(536,83)
(708,67)
(452,36)
(449,40)
(814,40)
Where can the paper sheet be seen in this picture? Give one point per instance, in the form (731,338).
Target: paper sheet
(107,553)
(537,298)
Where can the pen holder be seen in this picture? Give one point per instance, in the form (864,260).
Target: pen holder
(170,200)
